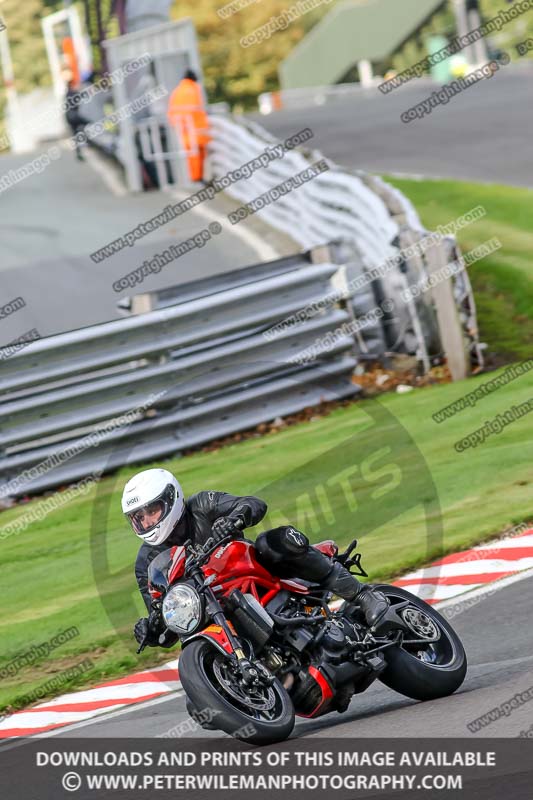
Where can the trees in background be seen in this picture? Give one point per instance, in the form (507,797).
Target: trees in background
(233,73)
(238,74)
(23,23)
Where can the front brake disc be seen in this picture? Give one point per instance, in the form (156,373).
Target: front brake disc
(261,698)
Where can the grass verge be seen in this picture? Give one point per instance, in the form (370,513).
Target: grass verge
(503,281)
(381,470)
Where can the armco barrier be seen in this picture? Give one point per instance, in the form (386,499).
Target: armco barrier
(228,280)
(152,385)
(367,215)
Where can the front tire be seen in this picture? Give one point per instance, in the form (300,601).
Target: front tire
(201,673)
(424,671)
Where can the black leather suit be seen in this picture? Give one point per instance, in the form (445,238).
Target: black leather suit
(284,551)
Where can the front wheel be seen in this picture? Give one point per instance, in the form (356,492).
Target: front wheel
(431,661)
(258,715)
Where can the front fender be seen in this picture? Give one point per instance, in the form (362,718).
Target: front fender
(216,635)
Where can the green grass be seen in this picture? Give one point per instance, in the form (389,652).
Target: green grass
(378,470)
(503,281)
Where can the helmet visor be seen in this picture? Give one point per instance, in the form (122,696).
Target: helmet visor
(145,519)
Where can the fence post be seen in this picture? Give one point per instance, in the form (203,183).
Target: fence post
(450,328)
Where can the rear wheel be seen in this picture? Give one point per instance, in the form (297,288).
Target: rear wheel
(431,661)
(257,715)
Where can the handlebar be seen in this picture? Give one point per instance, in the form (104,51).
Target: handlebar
(199,554)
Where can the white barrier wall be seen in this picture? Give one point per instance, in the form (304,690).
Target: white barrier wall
(352,207)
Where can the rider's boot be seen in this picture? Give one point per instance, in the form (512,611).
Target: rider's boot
(373,603)
(286,551)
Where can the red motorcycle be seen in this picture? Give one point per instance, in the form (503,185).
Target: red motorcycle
(257,649)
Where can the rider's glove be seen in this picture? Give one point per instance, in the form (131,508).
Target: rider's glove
(226,526)
(148,629)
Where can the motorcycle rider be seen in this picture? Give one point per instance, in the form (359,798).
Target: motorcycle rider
(159,514)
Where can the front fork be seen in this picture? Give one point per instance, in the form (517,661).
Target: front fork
(251,673)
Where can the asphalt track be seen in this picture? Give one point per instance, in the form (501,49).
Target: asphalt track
(498,639)
(483,134)
(50,223)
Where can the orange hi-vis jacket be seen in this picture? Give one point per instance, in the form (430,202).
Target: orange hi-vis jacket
(186,111)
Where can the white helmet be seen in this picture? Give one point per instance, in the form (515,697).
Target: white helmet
(153,502)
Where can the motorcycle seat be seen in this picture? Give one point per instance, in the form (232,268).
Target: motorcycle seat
(327,547)
(299,585)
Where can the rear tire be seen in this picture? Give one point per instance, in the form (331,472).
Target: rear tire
(203,690)
(407,674)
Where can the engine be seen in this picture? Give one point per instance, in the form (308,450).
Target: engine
(319,658)
(315,656)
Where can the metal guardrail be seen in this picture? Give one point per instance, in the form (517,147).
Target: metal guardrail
(192,290)
(334,205)
(372,219)
(155,384)
(191,324)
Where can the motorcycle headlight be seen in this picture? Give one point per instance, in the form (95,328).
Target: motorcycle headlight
(182,609)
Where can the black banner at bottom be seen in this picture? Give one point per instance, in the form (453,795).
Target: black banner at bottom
(225,769)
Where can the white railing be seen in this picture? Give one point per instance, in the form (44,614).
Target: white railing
(340,205)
